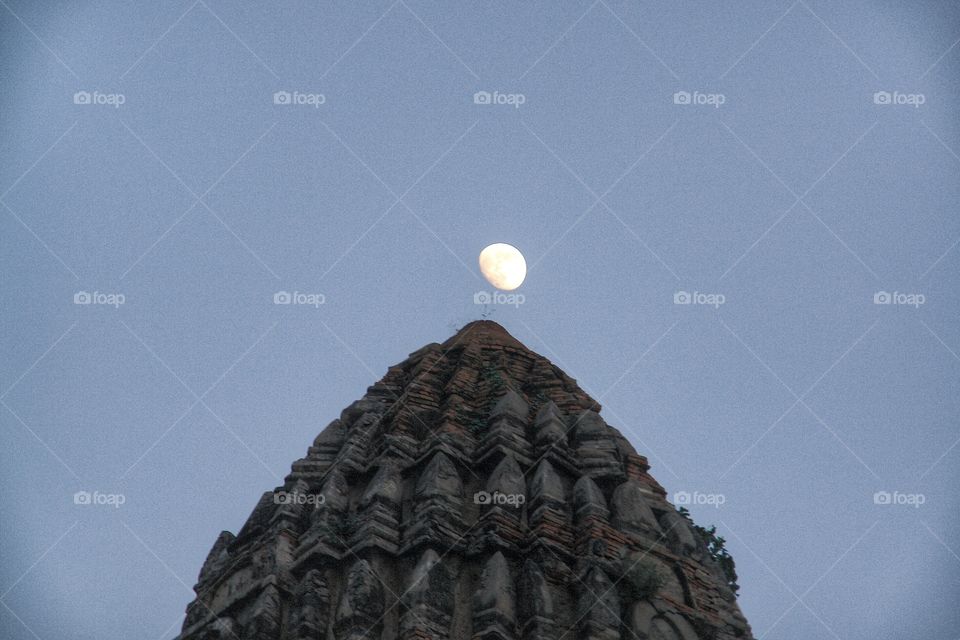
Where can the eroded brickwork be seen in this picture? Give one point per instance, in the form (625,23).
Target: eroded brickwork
(473,493)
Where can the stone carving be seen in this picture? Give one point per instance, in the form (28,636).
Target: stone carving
(596,445)
(428,602)
(494,614)
(360,613)
(310,612)
(678,532)
(321,455)
(335,496)
(631,512)
(327,530)
(549,425)
(511,404)
(438,503)
(474,493)
(379,513)
(362,432)
(290,512)
(547,487)
(265,621)
(218,557)
(598,607)
(501,508)
(439,479)
(548,511)
(507,479)
(588,500)
(537,609)
(506,429)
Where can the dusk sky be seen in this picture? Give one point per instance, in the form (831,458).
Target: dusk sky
(740,222)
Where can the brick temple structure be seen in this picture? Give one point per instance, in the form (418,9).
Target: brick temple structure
(474,492)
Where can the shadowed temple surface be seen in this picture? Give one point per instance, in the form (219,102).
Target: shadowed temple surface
(473,492)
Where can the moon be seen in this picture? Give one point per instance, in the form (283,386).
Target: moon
(503,266)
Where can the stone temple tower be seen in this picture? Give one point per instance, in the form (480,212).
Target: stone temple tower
(474,493)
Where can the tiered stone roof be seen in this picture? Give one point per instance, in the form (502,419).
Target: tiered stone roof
(474,492)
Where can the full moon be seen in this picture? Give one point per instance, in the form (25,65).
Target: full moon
(503,266)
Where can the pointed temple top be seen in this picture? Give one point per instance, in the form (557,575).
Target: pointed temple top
(483,332)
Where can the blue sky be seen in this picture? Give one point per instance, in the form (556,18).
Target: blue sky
(812,170)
